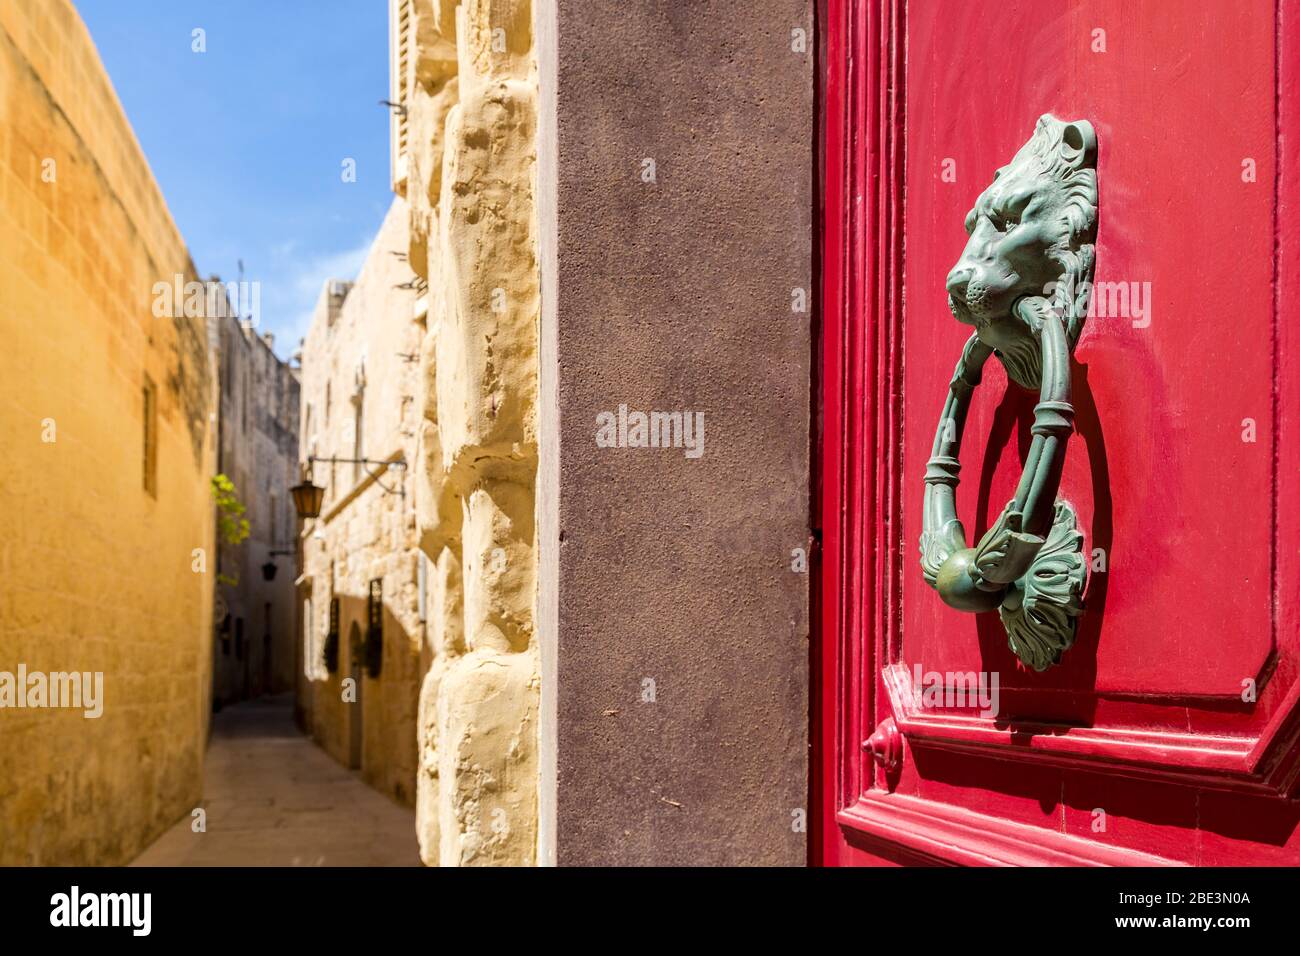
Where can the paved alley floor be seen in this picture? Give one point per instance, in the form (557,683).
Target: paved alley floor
(274,798)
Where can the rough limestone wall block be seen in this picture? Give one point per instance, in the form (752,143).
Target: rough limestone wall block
(428,792)
(487,346)
(447,631)
(499,567)
(487,730)
(473,233)
(446,640)
(430,505)
(428,121)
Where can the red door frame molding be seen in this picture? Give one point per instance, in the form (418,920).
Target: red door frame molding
(860,498)
(861,234)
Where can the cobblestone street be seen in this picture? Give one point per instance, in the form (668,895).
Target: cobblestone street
(273,798)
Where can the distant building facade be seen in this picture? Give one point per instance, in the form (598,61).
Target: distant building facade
(360,610)
(255,618)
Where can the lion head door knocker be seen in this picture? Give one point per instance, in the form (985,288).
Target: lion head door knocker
(1023,281)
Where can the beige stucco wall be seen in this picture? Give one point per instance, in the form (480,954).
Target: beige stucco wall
(362,347)
(472,113)
(96,573)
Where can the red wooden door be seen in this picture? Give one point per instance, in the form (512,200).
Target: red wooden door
(1169,733)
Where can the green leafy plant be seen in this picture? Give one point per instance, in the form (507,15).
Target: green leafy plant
(232,526)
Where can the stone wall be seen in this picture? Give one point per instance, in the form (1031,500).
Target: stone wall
(674,585)
(256,619)
(96,572)
(472,101)
(360,399)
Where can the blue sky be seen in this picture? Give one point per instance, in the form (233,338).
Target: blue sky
(247,139)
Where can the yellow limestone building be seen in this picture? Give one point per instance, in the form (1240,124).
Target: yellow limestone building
(106,422)
(359,591)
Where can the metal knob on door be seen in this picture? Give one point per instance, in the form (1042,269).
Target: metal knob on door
(1024,282)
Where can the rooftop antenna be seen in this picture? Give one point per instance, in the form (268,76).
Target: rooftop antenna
(249,317)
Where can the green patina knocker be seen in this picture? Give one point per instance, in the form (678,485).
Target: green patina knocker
(1023,282)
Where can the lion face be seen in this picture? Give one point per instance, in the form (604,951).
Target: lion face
(1031,238)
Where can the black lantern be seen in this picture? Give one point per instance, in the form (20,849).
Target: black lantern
(307,499)
(269,569)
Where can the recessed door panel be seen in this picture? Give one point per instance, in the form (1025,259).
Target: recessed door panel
(1174,364)
(1180,690)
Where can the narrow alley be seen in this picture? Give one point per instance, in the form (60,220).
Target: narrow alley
(273,798)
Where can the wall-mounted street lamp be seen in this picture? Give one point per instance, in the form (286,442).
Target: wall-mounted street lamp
(269,569)
(307,497)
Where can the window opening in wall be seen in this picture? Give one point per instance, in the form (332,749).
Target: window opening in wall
(375,628)
(150,437)
(331,654)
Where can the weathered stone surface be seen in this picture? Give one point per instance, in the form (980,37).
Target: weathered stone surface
(472,153)
(487,760)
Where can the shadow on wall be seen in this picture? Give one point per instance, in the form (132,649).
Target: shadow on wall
(369,723)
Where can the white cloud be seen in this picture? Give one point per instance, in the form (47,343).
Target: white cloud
(292,286)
